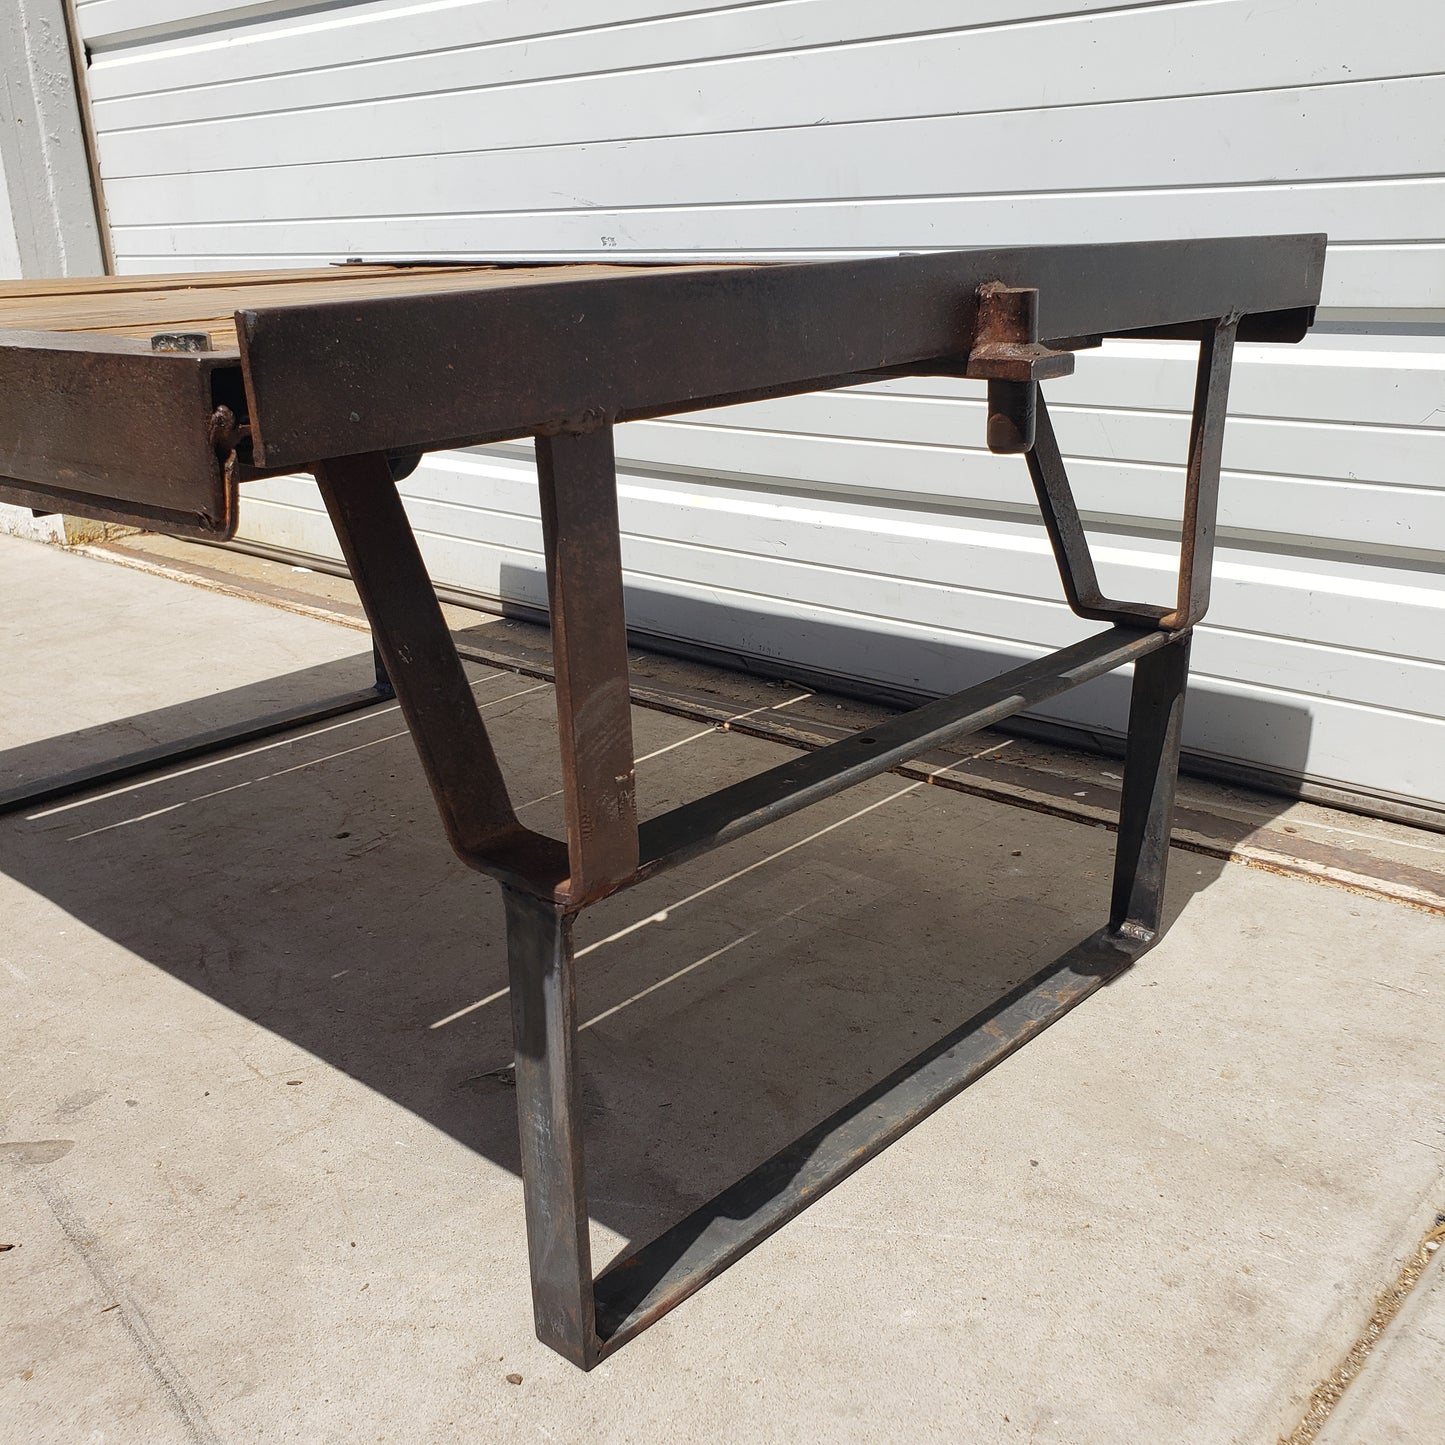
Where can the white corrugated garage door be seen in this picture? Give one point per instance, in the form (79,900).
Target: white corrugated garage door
(868,533)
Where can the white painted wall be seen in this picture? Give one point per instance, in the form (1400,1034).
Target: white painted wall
(870,533)
(9,242)
(47,210)
(42,145)
(17,521)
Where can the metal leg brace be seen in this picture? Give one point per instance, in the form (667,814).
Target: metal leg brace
(585,1321)
(546,883)
(1201,494)
(198,745)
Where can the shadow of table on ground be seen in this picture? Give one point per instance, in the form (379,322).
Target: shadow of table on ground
(728,1007)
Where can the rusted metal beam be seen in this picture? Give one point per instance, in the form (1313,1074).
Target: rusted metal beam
(104,427)
(577,477)
(336,378)
(1201,482)
(421,659)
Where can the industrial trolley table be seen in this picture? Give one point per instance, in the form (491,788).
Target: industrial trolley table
(150,400)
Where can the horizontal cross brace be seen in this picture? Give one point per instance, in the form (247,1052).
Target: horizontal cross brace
(733,812)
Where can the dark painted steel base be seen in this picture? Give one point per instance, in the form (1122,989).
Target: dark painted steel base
(547,881)
(585,1321)
(198,745)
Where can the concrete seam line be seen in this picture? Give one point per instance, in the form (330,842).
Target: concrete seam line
(157,1359)
(1326,1395)
(208,582)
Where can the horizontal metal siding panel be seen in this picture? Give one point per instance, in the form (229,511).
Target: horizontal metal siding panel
(903,566)
(1261,698)
(998,587)
(372,49)
(1262,138)
(1379,382)
(1293,136)
(107,22)
(1351,512)
(1096,172)
(869,533)
(1399,455)
(436,104)
(1349,211)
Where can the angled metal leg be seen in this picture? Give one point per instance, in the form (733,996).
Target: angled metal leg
(421,661)
(1151,770)
(549,1117)
(578,483)
(378,667)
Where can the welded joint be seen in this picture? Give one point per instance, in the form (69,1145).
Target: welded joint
(589,419)
(1008,354)
(183,341)
(227,433)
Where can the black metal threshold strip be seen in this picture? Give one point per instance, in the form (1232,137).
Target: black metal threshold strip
(638,1290)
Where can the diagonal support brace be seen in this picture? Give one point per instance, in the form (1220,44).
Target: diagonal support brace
(421,661)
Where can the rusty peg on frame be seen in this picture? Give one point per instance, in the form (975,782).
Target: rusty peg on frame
(1010,357)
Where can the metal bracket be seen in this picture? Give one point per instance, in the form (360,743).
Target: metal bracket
(1201,497)
(1010,357)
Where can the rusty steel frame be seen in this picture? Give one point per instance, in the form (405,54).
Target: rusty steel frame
(546,883)
(341,388)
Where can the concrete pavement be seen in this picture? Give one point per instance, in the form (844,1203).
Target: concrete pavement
(260,1170)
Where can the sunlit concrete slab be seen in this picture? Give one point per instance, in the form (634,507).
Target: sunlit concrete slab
(1398,1397)
(259,1159)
